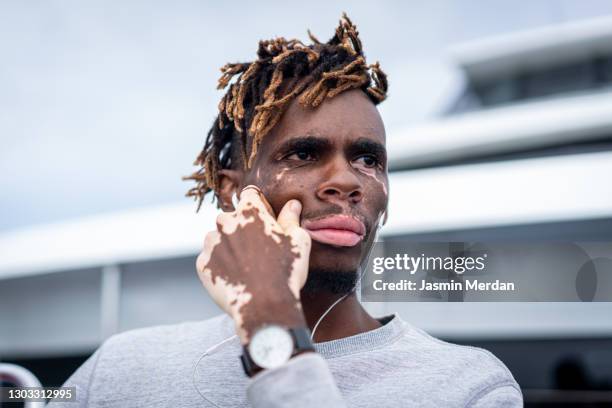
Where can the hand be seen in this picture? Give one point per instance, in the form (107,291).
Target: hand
(254,265)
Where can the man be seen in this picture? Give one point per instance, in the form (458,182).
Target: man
(296,159)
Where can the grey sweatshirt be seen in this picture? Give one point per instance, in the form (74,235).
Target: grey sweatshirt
(396,365)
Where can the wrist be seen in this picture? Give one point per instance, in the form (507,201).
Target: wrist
(285,311)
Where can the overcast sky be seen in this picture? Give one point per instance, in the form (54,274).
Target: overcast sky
(104,105)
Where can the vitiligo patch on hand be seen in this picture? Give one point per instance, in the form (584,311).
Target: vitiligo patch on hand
(265,249)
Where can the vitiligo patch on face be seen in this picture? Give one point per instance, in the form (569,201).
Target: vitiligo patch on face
(381,182)
(281,174)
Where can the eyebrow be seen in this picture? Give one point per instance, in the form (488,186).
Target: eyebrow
(320,143)
(305,143)
(368,145)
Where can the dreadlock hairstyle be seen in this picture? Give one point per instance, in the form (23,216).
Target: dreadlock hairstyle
(284,70)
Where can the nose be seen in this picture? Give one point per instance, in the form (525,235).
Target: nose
(340,183)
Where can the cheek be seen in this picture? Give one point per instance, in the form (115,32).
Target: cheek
(380,181)
(282,187)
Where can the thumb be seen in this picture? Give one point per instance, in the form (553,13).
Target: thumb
(289,216)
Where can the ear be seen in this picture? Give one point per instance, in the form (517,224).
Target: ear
(229,181)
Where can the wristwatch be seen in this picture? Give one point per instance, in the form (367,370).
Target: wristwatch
(272,346)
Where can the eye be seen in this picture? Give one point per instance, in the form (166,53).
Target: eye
(367,160)
(302,155)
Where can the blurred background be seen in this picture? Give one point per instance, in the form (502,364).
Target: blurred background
(499,124)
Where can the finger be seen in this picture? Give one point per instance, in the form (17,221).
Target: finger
(289,220)
(251,196)
(299,268)
(289,216)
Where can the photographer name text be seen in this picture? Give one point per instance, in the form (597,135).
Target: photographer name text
(449,286)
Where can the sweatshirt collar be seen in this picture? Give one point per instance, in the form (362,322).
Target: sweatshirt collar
(391,329)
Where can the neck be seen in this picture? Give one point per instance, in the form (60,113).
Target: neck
(345,319)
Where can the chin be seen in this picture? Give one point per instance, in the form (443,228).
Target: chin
(330,258)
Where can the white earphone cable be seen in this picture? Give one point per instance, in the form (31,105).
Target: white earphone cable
(195,367)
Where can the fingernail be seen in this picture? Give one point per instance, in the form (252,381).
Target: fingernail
(296,205)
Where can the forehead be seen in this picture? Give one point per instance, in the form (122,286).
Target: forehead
(347,116)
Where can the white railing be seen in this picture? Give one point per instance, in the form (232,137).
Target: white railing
(20,377)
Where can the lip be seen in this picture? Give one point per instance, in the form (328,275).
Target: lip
(339,230)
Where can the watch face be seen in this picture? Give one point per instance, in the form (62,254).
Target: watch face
(271,347)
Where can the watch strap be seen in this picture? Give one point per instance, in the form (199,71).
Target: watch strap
(301,340)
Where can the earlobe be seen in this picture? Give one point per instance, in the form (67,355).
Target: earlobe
(228,187)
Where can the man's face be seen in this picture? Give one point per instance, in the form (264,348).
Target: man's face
(333,160)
